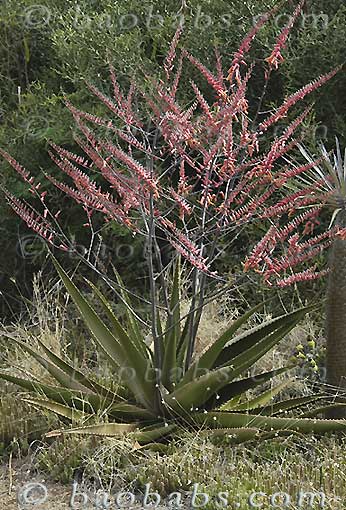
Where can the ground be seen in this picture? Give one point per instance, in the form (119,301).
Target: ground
(312,465)
(14,480)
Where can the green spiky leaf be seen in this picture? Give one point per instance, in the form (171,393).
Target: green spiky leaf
(120,350)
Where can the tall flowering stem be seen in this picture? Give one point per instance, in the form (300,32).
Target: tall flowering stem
(193,174)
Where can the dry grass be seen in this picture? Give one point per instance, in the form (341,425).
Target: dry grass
(45,320)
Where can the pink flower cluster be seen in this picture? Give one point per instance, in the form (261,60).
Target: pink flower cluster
(203,168)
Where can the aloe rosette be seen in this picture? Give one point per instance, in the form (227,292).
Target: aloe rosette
(150,403)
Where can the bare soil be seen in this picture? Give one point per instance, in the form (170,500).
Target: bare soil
(17,494)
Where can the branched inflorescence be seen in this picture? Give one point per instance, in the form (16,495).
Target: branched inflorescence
(195,171)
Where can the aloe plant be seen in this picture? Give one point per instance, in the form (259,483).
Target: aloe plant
(332,173)
(208,392)
(315,221)
(195,174)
